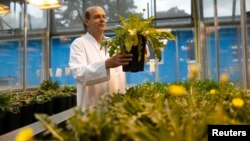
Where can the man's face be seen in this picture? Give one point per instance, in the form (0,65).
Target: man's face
(97,21)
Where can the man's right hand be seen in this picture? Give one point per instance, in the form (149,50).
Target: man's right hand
(117,60)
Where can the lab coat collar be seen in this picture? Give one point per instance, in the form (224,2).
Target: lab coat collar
(92,39)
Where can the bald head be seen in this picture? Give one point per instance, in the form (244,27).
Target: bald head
(89,10)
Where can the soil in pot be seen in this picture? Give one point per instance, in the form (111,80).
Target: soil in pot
(136,65)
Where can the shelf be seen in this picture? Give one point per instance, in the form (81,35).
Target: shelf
(37,126)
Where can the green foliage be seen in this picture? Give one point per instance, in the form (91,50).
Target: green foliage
(68,89)
(12,101)
(49,89)
(49,85)
(24,98)
(5,103)
(40,99)
(150,111)
(130,34)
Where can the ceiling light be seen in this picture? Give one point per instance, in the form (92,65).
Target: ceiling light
(4,9)
(46,4)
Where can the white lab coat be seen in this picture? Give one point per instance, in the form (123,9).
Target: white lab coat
(87,63)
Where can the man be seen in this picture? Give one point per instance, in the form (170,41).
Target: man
(95,73)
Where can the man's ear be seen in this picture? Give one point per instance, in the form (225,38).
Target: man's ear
(85,21)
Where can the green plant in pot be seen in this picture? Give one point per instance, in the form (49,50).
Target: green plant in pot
(5,103)
(132,37)
(49,85)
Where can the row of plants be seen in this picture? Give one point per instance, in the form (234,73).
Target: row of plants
(50,98)
(155,111)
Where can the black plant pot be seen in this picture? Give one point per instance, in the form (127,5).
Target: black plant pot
(3,123)
(136,65)
(73,100)
(13,121)
(27,114)
(49,107)
(39,108)
(60,104)
(69,102)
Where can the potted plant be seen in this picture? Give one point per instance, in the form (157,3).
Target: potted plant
(5,105)
(71,91)
(13,113)
(25,101)
(132,37)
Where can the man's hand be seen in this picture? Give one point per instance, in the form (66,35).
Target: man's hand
(117,60)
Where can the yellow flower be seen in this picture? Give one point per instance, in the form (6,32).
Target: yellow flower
(177,90)
(193,71)
(224,78)
(25,135)
(237,102)
(212,91)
